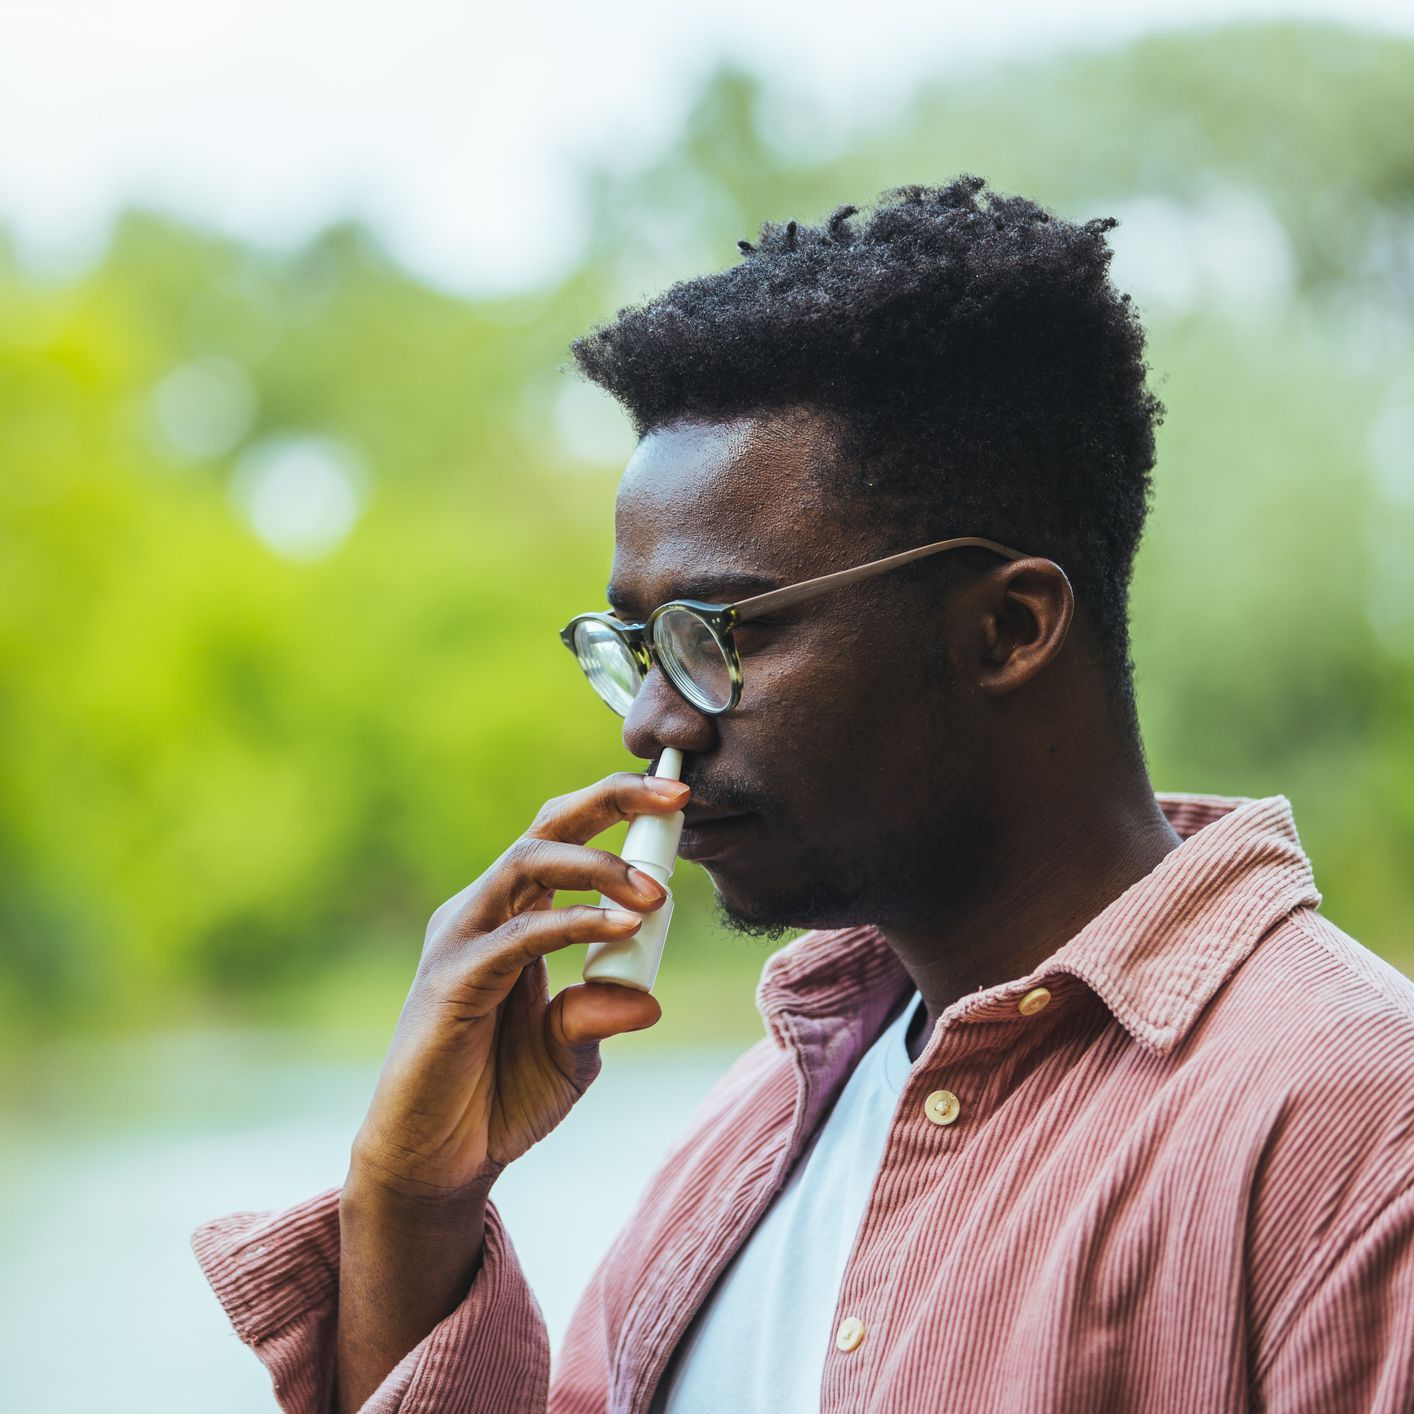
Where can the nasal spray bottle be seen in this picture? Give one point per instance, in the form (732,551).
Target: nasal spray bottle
(652,846)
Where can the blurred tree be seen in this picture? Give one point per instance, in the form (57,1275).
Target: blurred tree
(285,536)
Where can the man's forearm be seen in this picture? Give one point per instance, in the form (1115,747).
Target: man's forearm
(403,1268)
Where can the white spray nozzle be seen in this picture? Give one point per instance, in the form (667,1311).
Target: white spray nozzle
(651,845)
(669,764)
(652,840)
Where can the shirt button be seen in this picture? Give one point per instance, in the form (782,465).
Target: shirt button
(942,1107)
(1033,1001)
(850,1333)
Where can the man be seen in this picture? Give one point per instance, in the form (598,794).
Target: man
(1072,1100)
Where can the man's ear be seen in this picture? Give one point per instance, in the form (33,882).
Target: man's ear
(1022,613)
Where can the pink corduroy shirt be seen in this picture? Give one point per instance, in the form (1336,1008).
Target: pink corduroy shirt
(1179,1178)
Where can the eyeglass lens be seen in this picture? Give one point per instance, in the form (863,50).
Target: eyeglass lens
(687,649)
(608,664)
(691,655)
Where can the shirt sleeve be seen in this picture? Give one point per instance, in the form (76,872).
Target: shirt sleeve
(1349,1342)
(276,1274)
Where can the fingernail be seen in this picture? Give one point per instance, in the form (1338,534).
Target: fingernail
(646,884)
(622,916)
(660,785)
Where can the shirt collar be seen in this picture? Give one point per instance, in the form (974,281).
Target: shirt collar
(1155,955)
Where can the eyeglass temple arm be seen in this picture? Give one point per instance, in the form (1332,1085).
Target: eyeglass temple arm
(791,594)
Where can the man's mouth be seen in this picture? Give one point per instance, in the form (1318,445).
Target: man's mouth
(706,835)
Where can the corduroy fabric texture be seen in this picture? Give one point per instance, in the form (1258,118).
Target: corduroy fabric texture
(1185,1183)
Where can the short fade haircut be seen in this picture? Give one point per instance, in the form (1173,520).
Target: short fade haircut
(983,375)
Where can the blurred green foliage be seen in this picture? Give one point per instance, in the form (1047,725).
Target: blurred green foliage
(236,780)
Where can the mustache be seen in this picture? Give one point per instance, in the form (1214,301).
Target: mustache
(722,795)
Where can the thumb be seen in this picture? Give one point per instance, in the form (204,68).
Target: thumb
(586,1013)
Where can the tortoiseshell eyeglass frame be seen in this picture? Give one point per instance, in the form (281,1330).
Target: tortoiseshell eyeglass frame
(720,619)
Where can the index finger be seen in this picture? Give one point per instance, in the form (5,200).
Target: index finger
(577,817)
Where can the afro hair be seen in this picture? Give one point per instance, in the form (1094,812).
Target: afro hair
(983,375)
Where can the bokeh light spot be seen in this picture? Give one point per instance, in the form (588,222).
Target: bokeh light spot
(301,495)
(206,406)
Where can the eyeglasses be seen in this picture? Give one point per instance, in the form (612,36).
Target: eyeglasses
(692,641)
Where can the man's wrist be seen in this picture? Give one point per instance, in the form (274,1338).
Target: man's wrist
(370,1191)
(364,1211)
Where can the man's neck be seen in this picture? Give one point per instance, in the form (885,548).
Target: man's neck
(1057,869)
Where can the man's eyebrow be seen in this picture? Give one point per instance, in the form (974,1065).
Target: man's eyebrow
(720,587)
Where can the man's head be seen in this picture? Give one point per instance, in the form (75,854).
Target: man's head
(956,363)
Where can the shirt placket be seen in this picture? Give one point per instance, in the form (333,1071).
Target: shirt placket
(936,1123)
(669,1298)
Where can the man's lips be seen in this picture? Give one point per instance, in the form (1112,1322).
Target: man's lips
(696,812)
(706,835)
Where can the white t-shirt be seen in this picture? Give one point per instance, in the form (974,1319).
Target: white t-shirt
(760,1340)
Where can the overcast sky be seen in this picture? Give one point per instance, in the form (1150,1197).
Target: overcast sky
(270,117)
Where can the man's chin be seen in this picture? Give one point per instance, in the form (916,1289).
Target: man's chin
(759,915)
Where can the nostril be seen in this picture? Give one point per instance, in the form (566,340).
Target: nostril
(660,716)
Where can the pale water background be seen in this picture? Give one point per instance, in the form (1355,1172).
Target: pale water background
(114,1151)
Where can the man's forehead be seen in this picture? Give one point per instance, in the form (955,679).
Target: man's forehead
(716,511)
(745,466)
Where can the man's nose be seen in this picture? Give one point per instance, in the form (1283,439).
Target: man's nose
(661,716)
